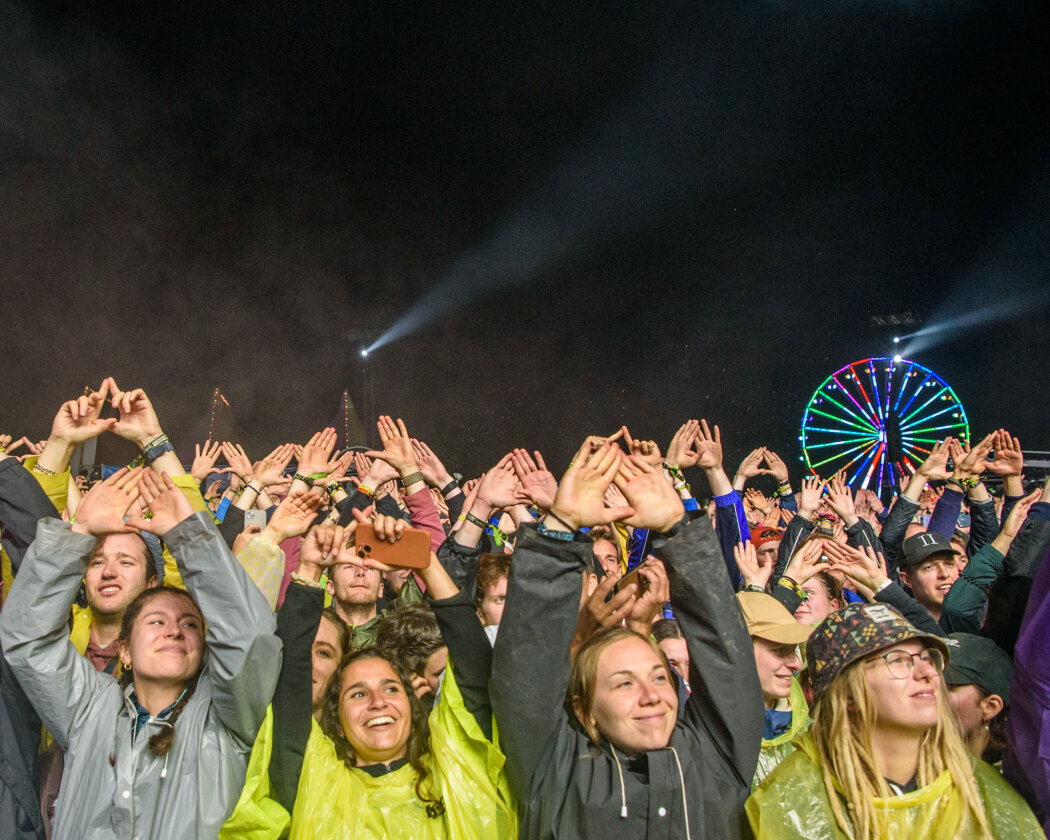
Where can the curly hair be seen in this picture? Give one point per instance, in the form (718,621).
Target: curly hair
(418,747)
(160,743)
(409,634)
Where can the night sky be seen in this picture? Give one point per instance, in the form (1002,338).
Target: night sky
(587,216)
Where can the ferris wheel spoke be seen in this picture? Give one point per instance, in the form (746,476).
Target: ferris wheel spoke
(874,459)
(875,391)
(867,399)
(950,426)
(927,417)
(867,424)
(840,442)
(918,390)
(853,399)
(868,430)
(861,448)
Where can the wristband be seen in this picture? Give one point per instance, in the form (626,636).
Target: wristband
(250,486)
(316,477)
(884,585)
(368,491)
(970,483)
(753,587)
(412,478)
(681,485)
(788,583)
(535,511)
(448,488)
(313,584)
(566,536)
(474,520)
(956,482)
(333,488)
(43,470)
(155,448)
(305,479)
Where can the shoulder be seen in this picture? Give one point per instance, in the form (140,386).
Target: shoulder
(1008,813)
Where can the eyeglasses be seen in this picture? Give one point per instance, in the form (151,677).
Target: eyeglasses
(900,663)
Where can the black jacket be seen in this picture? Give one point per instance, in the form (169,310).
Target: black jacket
(22,504)
(695,787)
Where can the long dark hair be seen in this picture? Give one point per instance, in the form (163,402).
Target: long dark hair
(161,742)
(418,746)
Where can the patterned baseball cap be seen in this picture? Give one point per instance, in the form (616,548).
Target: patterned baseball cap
(854,632)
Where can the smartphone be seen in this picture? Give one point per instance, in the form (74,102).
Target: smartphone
(640,582)
(412,551)
(255,517)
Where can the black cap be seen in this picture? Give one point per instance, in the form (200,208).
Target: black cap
(978,661)
(921,546)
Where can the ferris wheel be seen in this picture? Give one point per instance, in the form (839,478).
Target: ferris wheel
(875,417)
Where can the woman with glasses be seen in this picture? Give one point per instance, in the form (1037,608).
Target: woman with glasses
(883,757)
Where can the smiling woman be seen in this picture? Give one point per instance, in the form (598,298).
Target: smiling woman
(883,757)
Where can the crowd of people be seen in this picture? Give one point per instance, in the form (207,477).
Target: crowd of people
(333,643)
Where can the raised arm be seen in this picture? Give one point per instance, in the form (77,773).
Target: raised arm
(531,661)
(726,701)
(33,630)
(244,655)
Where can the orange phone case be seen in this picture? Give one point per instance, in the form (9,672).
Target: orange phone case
(412,551)
(632,576)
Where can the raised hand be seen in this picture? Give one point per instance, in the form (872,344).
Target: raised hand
(777,468)
(321,546)
(644,449)
(708,447)
(935,467)
(204,459)
(238,459)
(681,451)
(649,604)
(166,503)
(580,497)
(292,516)
(757,500)
(1018,514)
(973,464)
(138,420)
(865,568)
(1009,460)
(498,488)
(538,484)
(104,506)
(752,465)
(397,446)
(597,613)
(430,465)
(809,495)
(270,470)
(317,453)
(806,561)
(841,500)
(752,570)
(79,420)
(656,504)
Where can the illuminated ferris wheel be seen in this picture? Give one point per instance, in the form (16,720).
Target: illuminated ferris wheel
(874,417)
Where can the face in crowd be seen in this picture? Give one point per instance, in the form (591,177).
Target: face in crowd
(353,586)
(819,603)
(165,644)
(375,711)
(623,692)
(931,578)
(677,653)
(608,556)
(776,663)
(119,569)
(494,598)
(904,686)
(329,647)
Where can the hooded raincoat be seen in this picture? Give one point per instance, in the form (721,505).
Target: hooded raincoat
(792,804)
(775,750)
(113,787)
(693,788)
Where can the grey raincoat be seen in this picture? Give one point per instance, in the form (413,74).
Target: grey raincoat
(112,786)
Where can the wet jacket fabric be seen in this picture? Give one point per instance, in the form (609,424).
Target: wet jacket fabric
(113,787)
(792,804)
(568,788)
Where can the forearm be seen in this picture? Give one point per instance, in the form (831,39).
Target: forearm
(531,664)
(297,623)
(726,700)
(945,514)
(470,653)
(731,529)
(424,515)
(23,503)
(907,606)
(984,525)
(244,655)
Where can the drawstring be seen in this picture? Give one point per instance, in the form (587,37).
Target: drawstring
(685,802)
(623,790)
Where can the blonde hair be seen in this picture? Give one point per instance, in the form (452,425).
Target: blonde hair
(843,719)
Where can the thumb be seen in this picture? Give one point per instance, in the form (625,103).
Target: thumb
(610,515)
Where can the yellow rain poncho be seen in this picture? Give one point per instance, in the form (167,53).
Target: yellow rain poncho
(466,777)
(792,804)
(258,816)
